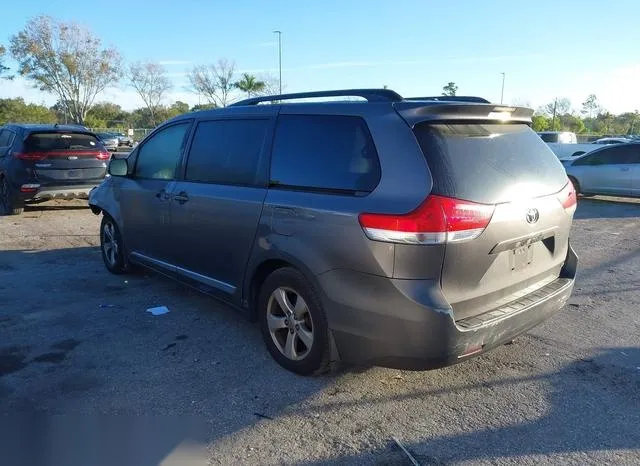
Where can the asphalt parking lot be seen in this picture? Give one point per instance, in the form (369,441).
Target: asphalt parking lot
(77,342)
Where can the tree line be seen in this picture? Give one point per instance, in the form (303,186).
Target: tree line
(68,61)
(560,115)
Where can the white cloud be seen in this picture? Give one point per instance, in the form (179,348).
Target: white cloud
(19,87)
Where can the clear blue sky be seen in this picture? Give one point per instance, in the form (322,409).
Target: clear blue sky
(546,48)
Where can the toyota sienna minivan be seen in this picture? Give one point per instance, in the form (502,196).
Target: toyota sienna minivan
(408,233)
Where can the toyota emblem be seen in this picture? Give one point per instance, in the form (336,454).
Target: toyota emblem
(532,215)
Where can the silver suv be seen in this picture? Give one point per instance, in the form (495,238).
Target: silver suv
(408,233)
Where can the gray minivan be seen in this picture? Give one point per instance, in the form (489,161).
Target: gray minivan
(408,233)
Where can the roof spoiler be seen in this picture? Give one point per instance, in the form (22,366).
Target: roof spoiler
(452,98)
(415,112)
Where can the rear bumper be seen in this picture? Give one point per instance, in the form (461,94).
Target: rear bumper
(46,193)
(407,324)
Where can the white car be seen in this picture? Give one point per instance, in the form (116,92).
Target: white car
(611,170)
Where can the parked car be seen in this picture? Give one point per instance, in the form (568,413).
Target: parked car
(394,232)
(612,141)
(612,170)
(42,162)
(124,140)
(109,140)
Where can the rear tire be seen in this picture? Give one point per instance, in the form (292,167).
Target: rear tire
(293,323)
(576,185)
(112,246)
(8,205)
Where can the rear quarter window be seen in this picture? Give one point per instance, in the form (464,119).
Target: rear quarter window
(489,163)
(57,141)
(324,153)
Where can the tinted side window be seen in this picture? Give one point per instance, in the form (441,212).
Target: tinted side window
(227,151)
(549,137)
(324,152)
(616,155)
(158,158)
(4,138)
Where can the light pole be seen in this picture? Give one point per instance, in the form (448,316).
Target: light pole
(502,93)
(279,58)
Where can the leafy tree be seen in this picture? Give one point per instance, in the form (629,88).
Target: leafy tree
(3,68)
(17,111)
(112,115)
(560,106)
(199,107)
(571,123)
(271,85)
(591,107)
(540,123)
(450,89)
(215,82)
(66,60)
(151,83)
(175,109)
(249,84)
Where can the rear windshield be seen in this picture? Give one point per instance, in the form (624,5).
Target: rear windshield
(67,141)
(489,163)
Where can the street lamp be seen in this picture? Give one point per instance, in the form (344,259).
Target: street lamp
(279,58)
(502,93)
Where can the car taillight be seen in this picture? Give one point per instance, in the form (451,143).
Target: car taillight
(437,220)
(568,198)
(103,155)
(33,156)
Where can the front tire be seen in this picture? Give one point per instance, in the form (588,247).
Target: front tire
(293,323)
(112,247)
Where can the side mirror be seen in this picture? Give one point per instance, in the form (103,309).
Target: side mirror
(118,167)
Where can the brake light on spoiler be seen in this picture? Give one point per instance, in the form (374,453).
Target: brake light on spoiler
(437,220)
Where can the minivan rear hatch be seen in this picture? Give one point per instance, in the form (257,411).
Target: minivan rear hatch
(504,168)
(72,157)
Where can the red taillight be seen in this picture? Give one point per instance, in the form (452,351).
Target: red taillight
(103,155)
(29,188)
(33,156)
(568,198)
(437,220)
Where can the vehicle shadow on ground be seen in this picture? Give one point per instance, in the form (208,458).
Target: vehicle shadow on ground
(87,376)
(53,207)
(607,207)
(594,405)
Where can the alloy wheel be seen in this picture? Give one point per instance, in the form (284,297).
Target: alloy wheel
(290,323)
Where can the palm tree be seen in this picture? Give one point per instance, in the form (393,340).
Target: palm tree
(249,84)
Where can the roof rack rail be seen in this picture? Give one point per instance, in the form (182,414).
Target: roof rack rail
(371,95)
(452,98)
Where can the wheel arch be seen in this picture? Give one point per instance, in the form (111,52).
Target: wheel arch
(260,270)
